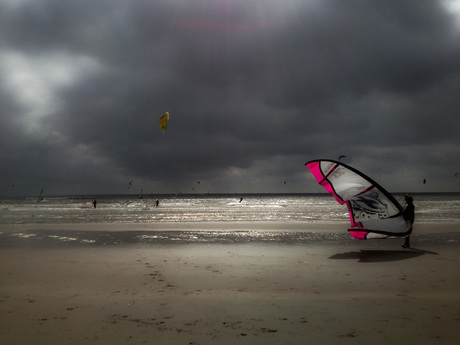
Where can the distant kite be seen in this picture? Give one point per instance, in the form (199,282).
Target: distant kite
(163,121)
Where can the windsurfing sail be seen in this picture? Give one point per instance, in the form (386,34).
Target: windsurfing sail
(164,122)
(374,212)
(40,196)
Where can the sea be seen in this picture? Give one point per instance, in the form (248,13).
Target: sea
(247,208)
(320,208)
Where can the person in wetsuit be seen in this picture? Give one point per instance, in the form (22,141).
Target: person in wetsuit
(409,215)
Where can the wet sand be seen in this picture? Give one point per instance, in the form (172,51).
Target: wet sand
(329,290)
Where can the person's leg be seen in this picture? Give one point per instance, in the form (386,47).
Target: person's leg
(406,243)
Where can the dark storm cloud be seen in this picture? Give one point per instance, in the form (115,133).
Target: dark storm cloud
(254,88)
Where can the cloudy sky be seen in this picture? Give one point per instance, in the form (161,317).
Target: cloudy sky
(255,89)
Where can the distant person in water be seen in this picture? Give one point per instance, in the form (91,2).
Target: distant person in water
(157,203)
(95,203)
(409,215)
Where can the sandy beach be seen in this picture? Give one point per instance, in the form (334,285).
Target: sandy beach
(338,291)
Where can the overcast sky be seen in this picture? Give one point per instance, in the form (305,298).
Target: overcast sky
(255,89)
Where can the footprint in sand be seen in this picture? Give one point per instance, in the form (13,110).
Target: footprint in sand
(351,334)
(268,330)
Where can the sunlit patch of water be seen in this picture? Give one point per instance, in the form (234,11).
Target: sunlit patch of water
(311,208)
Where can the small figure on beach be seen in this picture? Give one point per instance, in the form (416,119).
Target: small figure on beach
(409,215)
(157,203)
(241,199)
(95,203)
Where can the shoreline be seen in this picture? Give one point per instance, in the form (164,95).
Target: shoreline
(419,228)
(177,226)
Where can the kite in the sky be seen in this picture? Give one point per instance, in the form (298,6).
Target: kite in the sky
(374,213)
(164,122)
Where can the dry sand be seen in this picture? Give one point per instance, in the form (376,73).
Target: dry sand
(331,292)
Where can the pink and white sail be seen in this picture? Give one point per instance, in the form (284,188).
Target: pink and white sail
(374,213)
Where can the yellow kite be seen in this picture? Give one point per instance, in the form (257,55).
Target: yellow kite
(164,122)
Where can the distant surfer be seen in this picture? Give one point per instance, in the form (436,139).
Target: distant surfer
(241,199)
(409,215)
(95,203)
(157,203)
(40,197)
